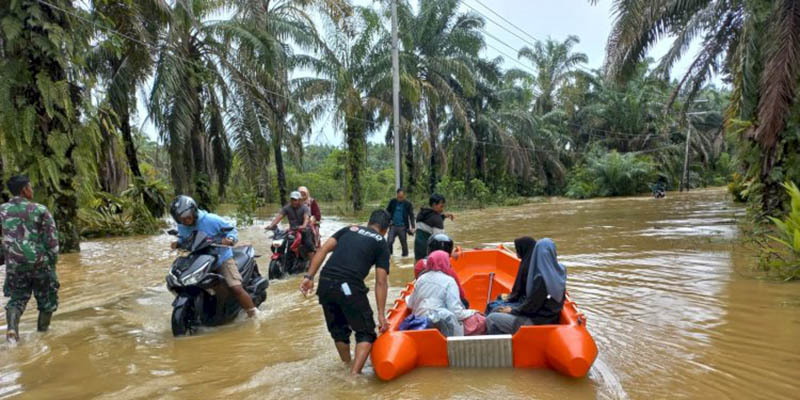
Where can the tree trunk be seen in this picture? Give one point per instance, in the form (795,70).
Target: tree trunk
(433,138)
(354,137)
(3,195)
(277,144)
(124,114)
(411,179)
(66,210)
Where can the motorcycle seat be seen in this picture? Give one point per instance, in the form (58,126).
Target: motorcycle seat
(240,256)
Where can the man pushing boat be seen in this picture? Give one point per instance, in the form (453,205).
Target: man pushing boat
(342,292)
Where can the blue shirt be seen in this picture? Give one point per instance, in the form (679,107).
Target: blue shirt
(211,225)
(399,217)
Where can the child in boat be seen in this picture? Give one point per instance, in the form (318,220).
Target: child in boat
(543,296)
(436,296)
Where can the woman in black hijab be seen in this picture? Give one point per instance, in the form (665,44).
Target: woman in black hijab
(524,246)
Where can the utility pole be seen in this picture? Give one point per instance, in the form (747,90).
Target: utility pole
(396,98)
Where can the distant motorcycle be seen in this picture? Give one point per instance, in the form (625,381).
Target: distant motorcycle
(659,193)
(193,278)
(288,254)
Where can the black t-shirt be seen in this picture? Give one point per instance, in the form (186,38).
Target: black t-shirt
(357,250)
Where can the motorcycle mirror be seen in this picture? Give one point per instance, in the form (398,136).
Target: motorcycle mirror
(173,232)
(226,229)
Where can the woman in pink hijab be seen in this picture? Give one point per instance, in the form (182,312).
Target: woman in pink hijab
(436,296)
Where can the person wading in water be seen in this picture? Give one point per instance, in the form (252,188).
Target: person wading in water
(342,292)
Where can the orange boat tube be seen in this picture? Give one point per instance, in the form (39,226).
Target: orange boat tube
(566,347)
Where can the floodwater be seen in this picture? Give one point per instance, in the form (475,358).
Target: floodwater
(670,298)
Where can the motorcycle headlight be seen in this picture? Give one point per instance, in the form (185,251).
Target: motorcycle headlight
(277,243)
(195,276)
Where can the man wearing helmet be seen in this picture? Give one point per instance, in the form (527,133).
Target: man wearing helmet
(184,211)
(299,216)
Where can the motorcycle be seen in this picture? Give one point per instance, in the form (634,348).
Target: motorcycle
(288,254)
(201,295)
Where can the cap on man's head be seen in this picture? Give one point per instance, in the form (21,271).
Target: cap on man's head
(296,195)
(17,183)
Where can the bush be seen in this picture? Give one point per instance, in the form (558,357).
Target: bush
(109,215)
(246,206)
(782,256)
(150,192)
(580,184)
(611,174)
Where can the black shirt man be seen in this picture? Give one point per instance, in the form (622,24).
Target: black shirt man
(342,292)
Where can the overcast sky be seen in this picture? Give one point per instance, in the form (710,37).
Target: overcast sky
(536,19)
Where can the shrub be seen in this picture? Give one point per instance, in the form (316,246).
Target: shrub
(611,174)
(151,192)
(782,256)
(109,215)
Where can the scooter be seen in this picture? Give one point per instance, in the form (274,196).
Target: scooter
(201,296)
(288,254)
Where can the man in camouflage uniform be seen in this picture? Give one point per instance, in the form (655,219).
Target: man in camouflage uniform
(30,248)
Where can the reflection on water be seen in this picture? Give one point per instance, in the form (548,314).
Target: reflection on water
(657,279)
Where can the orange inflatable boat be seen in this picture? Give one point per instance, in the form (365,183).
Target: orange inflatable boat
(567,347)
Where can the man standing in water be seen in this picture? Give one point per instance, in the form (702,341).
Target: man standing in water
(430,221)
(342,292)
(402,213)
(30,248)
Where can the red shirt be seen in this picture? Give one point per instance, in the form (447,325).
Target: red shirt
(315,212)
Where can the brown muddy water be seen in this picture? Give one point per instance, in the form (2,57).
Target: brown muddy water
(668,291)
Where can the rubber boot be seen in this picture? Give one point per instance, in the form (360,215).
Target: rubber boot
(12,318)
(44,321)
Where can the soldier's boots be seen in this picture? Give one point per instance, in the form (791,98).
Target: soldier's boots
(44,321)
(12,319)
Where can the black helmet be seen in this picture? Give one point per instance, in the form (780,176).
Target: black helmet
(181,207)
(440,241)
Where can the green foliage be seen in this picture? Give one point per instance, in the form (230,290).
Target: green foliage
(480,192)
(150,192)
(581,184)
(246,206)
(110,215)
(782,257)
(611,174)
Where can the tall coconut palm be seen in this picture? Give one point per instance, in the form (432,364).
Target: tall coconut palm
(345,73)
(755,42)
(188,98)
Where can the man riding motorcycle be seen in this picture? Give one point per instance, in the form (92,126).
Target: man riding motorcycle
(299,216)
(189,219)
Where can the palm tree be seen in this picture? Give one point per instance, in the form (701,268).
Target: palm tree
(266,35)
(187,101)
(345,76)
(124,62)
(439,57)
(755,42)
(42,104)
(555,64)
